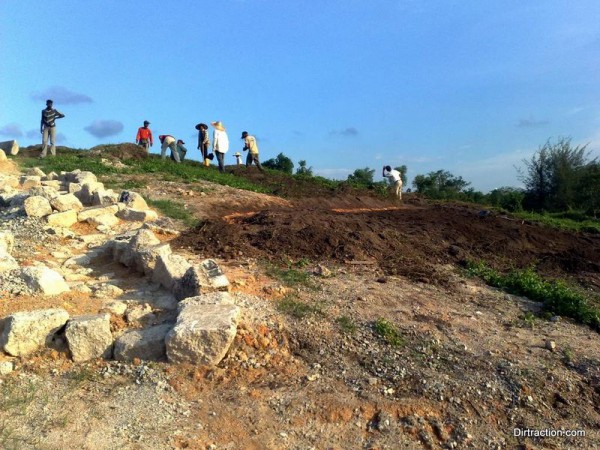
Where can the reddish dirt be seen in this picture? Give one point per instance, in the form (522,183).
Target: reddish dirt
(410,240)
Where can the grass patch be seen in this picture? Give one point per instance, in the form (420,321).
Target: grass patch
(569,221)
(82,375)
(291,276)
(388,332)
(174,210)
(295,308)
(556,296)
(346,324)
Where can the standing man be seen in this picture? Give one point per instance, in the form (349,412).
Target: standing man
(169,141)
(48,128)
(220,143)
(395,180)
(250,145)
(203,143)
(144,137)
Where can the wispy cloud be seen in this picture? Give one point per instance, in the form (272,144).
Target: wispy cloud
(32,134)
(104,128)
(60,138)
(61,95)
(11,130)
(531,122)
(347,132)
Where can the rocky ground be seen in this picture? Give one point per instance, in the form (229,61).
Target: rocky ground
(335,350)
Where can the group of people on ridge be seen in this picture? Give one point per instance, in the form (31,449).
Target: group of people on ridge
(220,145)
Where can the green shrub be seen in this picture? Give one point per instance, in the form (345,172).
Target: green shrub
(388,332)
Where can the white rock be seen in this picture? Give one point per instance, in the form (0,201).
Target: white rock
(7,262)
(26,332)
(136,215)
(62,219)
(107,290)
(7,241)
(37,206)
(147,344)
(54,184)
(72,188)
(27,182)
(208,275)
(203,333)
(8,181)
(66,202)
(94,211)
(146,257)
(169,270)
(115,307)
(35,171)
(6,367)
(11,147)
(140,313)
(141,239)
(43,191)
(2,155)
(44,280)
(89,337)
(133,200)
(103,220)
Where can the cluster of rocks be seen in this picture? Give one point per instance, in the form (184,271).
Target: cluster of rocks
(206,318)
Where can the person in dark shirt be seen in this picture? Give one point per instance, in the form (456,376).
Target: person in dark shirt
(48,128)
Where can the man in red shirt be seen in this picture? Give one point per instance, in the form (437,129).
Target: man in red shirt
(144,137)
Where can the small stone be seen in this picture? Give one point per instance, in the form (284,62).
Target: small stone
(550,345)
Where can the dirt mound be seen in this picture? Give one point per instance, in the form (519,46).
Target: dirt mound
(122,151)
(408,240)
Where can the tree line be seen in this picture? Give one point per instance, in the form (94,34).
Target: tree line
(559,177)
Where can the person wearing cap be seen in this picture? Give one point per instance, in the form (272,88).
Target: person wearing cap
(169,141)
(48,128)
(181,150)
(144,137)
(252,148)
(395,179)
(204,143)
(220,143)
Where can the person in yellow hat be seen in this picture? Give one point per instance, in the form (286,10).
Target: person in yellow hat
(220,143)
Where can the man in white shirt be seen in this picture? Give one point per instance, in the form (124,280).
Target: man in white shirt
(220,144)
(395,180)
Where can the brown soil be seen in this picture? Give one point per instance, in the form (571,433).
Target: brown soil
(406,240)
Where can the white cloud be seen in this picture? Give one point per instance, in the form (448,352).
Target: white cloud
(11,130)
(104,128)
(61,95)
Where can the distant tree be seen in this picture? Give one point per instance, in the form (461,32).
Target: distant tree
(589,192)
(440,184)
(281,163)
(363,177)
(553,176)
(508,198)
(303,170)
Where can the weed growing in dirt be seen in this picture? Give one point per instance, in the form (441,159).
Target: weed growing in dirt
(69,162)
(388,332)
(174,210)
(528,319)
(295,308)
(82,375)
(557,297)
(291,276)
(346,324)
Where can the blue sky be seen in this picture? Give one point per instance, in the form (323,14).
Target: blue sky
(469,86)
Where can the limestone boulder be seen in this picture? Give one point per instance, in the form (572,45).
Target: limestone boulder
(35,171)
(37,206)
(137,215)
(8,181)
(105,198)
(89,337)
(44,280)
(54,184)
(7,262)
(29,181)
(146,257)
(11,147)
(103,220)
(66,202)
(62,219)
(7,241)
(197,279)
(203,333)
(26,332)
(2,155)
(147,344)
(94,211)
(169,269)
(143,238)
(43,191)
(72,188)
(83,177)
(133,200)
(86,194)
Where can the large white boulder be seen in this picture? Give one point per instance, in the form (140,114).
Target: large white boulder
(29,181)
(66,202)
(105,198)
(35,171)
(146,344)
(44,280)
(169,269)
(62,219)
(2,155)
(133,200)
(11,147)
(137,215)
(203,333)
(37,206)
(89,337)
(94,211)
(146,257)
(26,332)
(206,276)
(143,238)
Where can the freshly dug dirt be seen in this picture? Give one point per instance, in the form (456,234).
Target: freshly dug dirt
(406,240)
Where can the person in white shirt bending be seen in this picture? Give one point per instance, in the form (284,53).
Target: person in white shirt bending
(395,180)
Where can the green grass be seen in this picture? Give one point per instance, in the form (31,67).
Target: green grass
(569,221)
(295,308)
(388,332)
(174,210)
(291,275)
(346,324)
(557,297)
